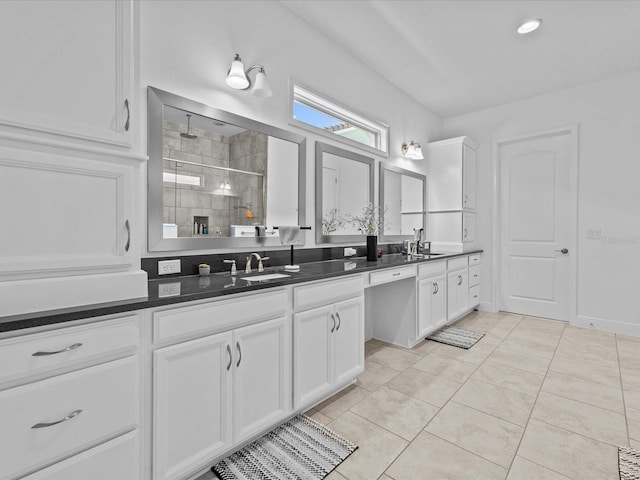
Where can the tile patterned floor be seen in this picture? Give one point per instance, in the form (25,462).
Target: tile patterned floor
(533,399)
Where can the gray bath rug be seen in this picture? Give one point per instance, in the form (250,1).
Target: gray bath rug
(629,463)
(300,449)
(456,337)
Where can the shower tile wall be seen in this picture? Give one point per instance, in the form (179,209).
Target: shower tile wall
(181,203)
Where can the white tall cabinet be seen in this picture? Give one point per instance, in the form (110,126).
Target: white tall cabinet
(452,194)
(69,72)
(70,233)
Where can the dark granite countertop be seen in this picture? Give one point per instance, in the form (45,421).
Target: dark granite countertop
(168,291)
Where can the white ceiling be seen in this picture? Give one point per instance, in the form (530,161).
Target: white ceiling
(459,56)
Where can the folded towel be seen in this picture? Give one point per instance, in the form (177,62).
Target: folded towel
(289,235)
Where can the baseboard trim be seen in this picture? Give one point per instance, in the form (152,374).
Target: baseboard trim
(612,326)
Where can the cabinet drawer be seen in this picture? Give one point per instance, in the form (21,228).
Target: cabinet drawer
(327,292)
(391,275)
(114,460)
(474,296)
(105,395)
(29,355)
(431,268)
(474,259)
(474,275)
(456,263)
(218,315)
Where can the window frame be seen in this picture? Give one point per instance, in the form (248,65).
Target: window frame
(323,104)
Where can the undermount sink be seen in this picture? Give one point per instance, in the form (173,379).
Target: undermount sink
(268,276)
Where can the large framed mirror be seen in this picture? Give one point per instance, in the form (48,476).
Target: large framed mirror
(403,196)
(217,180)
(344,187)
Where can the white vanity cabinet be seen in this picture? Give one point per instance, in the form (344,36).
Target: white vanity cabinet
(71,75)
(218,389)
(328,338)
(474,280)
(452,194)
(70,402)
(432,297)
(457,287)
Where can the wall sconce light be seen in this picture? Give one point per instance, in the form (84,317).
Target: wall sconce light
(412,151)
(239,79)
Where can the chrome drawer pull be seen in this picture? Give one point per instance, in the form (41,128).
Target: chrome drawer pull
(396,274)
(126,105)
(68,349)
(339,321)
(239,354)
(73,414)
(334,323)
(459,279)
(230,358)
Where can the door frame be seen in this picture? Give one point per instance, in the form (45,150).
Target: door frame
(496,251)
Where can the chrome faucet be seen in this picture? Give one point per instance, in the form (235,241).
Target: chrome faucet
(247,268)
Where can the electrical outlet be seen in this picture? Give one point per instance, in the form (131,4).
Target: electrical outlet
(166,267)
(349,252)
(168,289)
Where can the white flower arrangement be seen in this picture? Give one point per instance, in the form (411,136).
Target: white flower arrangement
(371,222)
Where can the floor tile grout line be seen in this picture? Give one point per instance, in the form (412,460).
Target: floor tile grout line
(624,403)
(583,435)
(524,432)
(581,402)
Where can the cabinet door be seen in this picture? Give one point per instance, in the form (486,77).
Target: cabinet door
(439,303)
(191,404)
(432,307)
(261,376)
(65,212)
(469,178)
(348,339)
(468,227)
(71,74)
(312,364)
(457,293)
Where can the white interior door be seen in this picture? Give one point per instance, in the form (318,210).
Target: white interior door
(535,201)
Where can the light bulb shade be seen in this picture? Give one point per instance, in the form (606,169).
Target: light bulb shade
(417,152)
(261,87)
(236,78)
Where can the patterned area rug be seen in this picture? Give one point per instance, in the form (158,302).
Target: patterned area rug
(300,449)
(629,463)
(456,337)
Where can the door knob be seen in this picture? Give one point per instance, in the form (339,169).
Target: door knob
(564,251)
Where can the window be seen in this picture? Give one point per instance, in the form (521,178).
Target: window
(326,117)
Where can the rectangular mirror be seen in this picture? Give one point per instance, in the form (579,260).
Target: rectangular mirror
(403,195)
(217,180)
(344,186)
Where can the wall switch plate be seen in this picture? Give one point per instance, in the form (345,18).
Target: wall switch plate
(166,267)
(349,252)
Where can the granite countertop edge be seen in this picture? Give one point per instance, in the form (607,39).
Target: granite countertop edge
(194,287)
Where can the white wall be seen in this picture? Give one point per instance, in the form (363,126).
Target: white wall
(186,47)
(608,115)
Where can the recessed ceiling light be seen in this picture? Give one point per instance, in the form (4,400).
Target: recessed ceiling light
(529,26)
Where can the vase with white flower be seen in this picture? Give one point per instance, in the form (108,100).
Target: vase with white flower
(370,223)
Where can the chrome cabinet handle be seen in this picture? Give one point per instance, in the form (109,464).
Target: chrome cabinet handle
(459,279)
(239,354)
(68,349)
(230,358)
(435,288)
(396,274)
(128,244)
(339,321)
(564,251)
(465,233)
(466,198)
(73,414)
(334,323)
(126,105)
